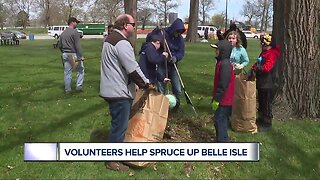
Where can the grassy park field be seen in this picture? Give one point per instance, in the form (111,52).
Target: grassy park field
(34,108)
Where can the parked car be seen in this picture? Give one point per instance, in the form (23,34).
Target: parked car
(20,35)
(250,34)
(13,34)
(260,33)
(6,35)
(211,30)
(55,31)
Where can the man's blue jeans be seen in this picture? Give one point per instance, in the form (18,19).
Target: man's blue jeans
(221,119)
(120,112)
(68,73)
(175,82)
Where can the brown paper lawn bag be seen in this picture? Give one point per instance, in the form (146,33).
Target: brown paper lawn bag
(73,61)
(243,116)
(148,119)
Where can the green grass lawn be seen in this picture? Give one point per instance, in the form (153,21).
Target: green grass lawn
(34,108)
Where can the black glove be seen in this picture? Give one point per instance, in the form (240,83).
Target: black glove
(173,60)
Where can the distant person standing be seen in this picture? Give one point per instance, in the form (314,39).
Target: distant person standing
(69,44)
(243,38)
(206,33)
(109,30)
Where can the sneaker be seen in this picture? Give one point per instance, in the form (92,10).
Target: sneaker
(68,92)
(116,166)
(79,88)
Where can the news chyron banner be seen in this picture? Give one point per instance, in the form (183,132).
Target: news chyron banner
(141,152)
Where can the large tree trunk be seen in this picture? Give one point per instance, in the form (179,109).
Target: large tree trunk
(193,21)
(296,27)
(130,7)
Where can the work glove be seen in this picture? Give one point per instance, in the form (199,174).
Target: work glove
(173,60)
(238,66)
(165,54)
(250,75)
(214,105)
(80,59)
(166,80)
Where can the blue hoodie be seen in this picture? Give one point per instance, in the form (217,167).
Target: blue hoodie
(149,58)
(176,44)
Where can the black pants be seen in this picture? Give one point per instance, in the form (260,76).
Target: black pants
(265,99)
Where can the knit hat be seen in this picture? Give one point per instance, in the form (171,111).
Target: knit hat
(266,40)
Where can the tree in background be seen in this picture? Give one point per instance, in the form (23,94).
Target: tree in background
(296,27)
(163,7)
(144,12)
(22,19)
(265,7)
(193,21)
(3,14)
(19,6)
(249,10)
(45,9)
(218,20)
(106,10)
(260,10)
(205,7)
(72,8)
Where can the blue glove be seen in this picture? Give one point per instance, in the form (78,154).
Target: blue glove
(214,105)
(259,60)
(173,60)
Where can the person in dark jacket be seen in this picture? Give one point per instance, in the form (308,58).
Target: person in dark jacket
(150,57)
(223,89)
(264,70)
(233,27)
(206,33)
(175,44)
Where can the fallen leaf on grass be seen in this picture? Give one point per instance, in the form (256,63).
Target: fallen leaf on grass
(155,167)
(131,174)
(12,128)
(188,167)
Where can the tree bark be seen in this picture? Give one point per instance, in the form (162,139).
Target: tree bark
(47,12)
(193,21)
(130,7)
(296,26)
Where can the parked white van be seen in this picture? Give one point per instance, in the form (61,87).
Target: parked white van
(211,30)
(55,31)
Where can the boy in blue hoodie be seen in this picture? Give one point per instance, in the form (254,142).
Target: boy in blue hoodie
(175,42)
(150,58)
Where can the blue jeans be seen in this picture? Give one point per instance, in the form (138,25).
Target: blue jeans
(221,119)
(175,82)
(68,73)
(120,112)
